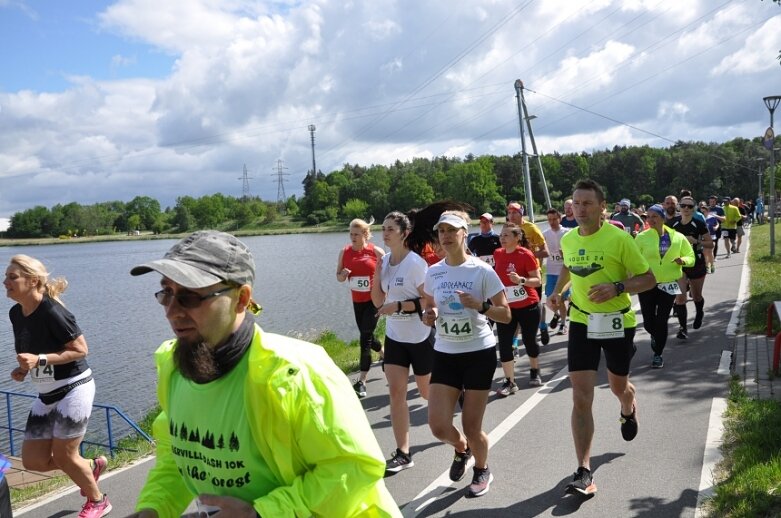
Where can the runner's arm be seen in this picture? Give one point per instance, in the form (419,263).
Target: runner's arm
(341,272)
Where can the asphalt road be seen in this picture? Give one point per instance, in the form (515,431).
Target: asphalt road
(659,474)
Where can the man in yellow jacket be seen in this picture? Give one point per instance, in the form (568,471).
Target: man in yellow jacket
(252,424)
(729,229)
(667,252)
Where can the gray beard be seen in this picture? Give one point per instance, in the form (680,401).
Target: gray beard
(196,361)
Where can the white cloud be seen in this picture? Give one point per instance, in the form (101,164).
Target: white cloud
(382,81)
(757,54)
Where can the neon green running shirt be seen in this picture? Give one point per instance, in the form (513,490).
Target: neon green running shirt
(211,440)
(609,255)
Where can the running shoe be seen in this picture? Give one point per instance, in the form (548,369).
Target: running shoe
(98,467)
(534,378)
(682,333)
(629,424)
(360,388)
(582,482)
(658,362)
(507,388)
(734,250)
(481,482)
(698,319)
(458,467)
(562,329)
(399,461)
(95,509)
(554,322)
(544,336)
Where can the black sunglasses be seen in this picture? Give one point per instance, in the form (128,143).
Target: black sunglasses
(686,206)
(187,300)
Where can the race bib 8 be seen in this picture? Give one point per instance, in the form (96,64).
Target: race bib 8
(603,326)
(360,283)
(515,293)
(455,328)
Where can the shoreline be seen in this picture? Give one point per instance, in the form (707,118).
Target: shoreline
(148,236)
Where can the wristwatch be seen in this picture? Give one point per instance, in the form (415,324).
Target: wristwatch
(486,307)
(619,288)
(42,360)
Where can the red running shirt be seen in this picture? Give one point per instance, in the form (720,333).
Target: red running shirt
(522,262)
(361,265)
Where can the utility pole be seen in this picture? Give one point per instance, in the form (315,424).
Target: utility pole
(281,197)
(527,182)
(534,148)
(245,184)
(312,135)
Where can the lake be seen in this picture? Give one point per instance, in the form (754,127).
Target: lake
(123,324)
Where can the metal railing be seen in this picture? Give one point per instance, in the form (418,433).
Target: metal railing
(110,445)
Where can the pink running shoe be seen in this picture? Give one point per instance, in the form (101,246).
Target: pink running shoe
(99,466)
(96,509)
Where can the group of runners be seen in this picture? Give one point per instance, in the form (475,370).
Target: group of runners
(440,311)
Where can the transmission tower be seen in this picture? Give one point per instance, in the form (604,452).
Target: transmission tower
(312,129)
(281,197)
(245,184)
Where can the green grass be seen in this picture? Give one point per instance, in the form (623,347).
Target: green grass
(346,355)
(751,486)
(765,285)
(750,473)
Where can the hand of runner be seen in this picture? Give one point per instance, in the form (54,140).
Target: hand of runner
(469,301)
(229,506)
(18,374)
(430,316)
(553,301)
(600,293)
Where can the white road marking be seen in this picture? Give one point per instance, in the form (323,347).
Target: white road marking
(712,455)
(442,482)
(724,363)
(734,319)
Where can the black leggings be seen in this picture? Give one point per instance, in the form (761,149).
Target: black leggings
(655,306)
(366,318)
(529,320)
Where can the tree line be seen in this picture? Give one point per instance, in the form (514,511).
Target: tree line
(641,173)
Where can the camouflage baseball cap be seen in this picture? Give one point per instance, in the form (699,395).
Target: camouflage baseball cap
(202,259)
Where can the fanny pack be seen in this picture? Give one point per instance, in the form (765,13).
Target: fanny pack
(625,310)
(57,394)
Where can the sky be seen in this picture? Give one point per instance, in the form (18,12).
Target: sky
(103,101)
